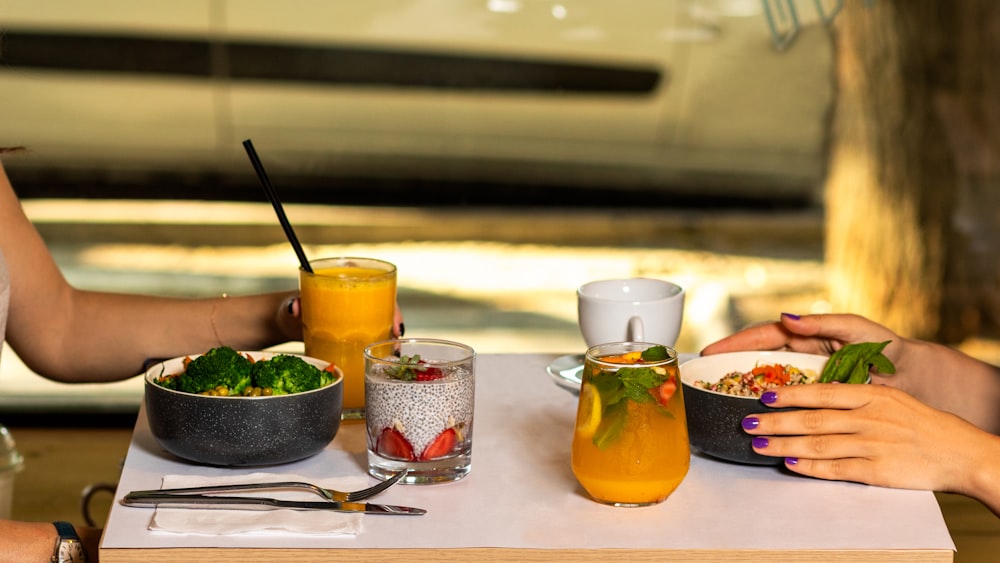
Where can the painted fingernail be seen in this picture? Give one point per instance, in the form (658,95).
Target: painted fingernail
(402,329)
(792,316)
(291,305)
(751,422)
(768,397)
(791,460)
(759,442)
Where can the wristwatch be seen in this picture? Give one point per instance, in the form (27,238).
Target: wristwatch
(69,548)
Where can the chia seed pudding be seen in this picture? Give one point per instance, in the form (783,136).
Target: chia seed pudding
(419,396)
(420,411)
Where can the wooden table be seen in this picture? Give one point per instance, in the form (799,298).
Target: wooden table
(522,503)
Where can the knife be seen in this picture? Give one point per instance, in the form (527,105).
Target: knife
(151,499)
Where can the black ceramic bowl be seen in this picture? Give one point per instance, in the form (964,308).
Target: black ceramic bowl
(242,431)
(715,419)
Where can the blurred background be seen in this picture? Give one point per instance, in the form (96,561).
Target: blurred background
(684,98)
(500,152)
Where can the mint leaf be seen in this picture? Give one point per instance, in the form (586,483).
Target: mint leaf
(611,426)
(638,381)
(407,368)
(628,383)
(609,386)
(655,354)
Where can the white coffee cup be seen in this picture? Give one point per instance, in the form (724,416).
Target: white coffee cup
(630,310)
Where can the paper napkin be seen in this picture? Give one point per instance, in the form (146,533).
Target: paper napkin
(214,521)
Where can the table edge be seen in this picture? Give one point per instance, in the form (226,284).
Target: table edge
(523,555)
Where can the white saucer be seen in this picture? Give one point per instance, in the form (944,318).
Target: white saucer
(565,372)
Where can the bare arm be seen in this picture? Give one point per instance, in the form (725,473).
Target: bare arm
(951,381)
(71,335)
(26,541)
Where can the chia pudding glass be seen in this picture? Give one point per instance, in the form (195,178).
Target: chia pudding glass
(419,396)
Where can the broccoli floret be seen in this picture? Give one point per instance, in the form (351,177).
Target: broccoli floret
(285,374)
(220,367)
(167,381)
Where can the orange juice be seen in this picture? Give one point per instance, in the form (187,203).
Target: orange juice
(630,443)
(347,304)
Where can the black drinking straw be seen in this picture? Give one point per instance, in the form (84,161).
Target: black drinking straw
(278,208)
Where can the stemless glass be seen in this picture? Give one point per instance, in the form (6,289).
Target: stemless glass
(630,444)
(347,303)
(419,398)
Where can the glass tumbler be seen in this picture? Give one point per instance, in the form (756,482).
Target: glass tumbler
(630,443)
(347,303)
(419,399)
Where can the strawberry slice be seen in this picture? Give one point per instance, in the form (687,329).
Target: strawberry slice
(664,391)
(430,374)
(441,446)
(392,444)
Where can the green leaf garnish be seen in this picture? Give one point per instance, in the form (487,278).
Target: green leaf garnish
(655,354)
(611,426)
(630,383)
(851,363)
(638,381)
(407,368)
(609,386)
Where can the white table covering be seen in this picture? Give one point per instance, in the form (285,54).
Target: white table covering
(521,492)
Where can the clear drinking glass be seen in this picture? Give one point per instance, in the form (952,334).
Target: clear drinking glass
(419,398)
(630,443)
(347,303)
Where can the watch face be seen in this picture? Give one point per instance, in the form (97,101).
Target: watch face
(72,551)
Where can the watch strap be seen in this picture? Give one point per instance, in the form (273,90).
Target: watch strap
(65,530)
(66,533)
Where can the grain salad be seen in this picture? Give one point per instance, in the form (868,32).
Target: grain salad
(761,378)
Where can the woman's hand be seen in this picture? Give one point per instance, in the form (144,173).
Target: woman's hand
(290,319)
(398,328)
(940,376)
(877,435)
(819,334)
(812,334)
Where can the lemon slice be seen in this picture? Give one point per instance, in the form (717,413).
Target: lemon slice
(632,357)
(589,417)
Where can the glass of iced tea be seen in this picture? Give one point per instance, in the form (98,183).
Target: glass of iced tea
(630,444)
(347,303)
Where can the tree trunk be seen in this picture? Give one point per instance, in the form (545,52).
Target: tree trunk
(911,195)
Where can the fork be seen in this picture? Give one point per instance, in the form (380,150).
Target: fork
(329,494)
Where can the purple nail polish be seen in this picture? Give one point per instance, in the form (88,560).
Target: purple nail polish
(791,461)
(751,422)
(759,442)
(768,397)
(792,316)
